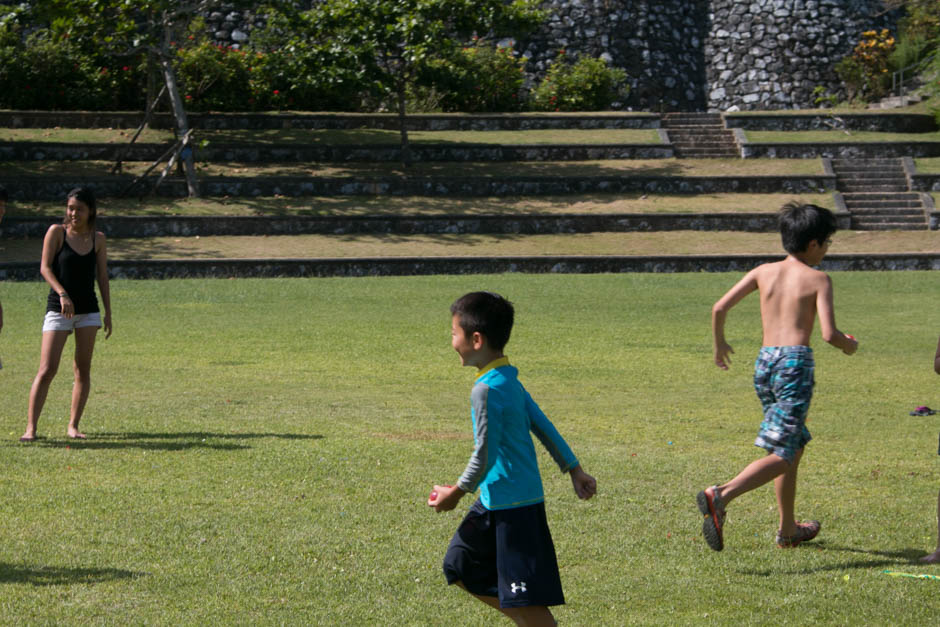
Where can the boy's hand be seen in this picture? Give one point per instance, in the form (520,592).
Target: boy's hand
(850,345)
(445,498)
(585,486)
(723,352)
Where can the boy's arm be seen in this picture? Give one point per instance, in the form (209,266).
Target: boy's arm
(825,309)
(548,435)
(585,486)
(479,463)
(720,309)
(936,359)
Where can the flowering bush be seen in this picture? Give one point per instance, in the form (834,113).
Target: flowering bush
(218,78)
(586,85)
(481,78)
(865,71)
(49,72)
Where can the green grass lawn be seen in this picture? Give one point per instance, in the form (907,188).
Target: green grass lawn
(927,165)
(341,137)
(260,452)
(837,136)
(426,205)
(623,167)
(482,245)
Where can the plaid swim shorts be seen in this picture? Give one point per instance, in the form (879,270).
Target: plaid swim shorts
(783,380)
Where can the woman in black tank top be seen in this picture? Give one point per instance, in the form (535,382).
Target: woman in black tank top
(73,258)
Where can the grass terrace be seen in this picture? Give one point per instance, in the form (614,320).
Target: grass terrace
(365,136)
(631,167)
(333,206)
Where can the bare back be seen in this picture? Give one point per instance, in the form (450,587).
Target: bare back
(790,294)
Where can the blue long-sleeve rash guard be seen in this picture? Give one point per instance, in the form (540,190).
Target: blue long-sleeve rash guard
(503,464)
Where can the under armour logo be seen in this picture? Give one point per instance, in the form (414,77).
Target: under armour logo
(517,587)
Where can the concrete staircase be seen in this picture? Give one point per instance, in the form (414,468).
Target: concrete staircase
(700,136)
(877,194)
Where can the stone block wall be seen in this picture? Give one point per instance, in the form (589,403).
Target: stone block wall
(686,55)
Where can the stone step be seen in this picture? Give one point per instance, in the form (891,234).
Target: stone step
(873,180)
(667,124)
(866,161)
(859,187)
(704,143)
(716,141)
(708,154)
(917,212)
(886,207)
(889,218)
(849,176)
(887,226)
(883,170)
(899,197)
(692,116)
(721,132)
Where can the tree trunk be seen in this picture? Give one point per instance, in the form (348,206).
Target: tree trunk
(179,114)
(405,147)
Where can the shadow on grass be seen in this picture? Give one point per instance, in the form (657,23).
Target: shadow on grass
(140,248)
(182,441)
(877,560)
(460,170)
(60,576)
(430,239)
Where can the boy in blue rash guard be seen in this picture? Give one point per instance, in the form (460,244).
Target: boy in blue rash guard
(502,553)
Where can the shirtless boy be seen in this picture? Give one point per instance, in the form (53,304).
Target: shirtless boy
(792,295)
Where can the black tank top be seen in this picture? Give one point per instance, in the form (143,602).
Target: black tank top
(76,273)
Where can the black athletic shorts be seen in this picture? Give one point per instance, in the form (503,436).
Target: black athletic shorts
(506,553)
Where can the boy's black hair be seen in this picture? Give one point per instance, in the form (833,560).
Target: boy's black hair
(3,194)
(801,223)
(487,313)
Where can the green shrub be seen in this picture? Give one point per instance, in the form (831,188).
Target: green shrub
(481,78)
(586,85)
(217,78)
(46,71)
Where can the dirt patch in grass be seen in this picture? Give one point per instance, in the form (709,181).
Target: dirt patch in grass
(423,205)
(326,246)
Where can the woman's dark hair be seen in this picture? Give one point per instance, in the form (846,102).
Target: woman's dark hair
(801,223)
(85,195)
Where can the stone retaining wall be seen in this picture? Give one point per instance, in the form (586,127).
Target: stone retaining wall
(884,122)
(339,121)
(529,224)
(862,121)
(925,182)
(687,55)
(409,266)
(45,188)
(300,153)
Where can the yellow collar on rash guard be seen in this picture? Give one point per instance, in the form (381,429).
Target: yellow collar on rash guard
(496,363)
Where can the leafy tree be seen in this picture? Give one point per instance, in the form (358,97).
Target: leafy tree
(387,42)
(125,29)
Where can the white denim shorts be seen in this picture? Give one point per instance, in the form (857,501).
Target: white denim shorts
(55,321)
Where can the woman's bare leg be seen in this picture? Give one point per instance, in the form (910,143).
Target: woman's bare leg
(84,348)
(52,344)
